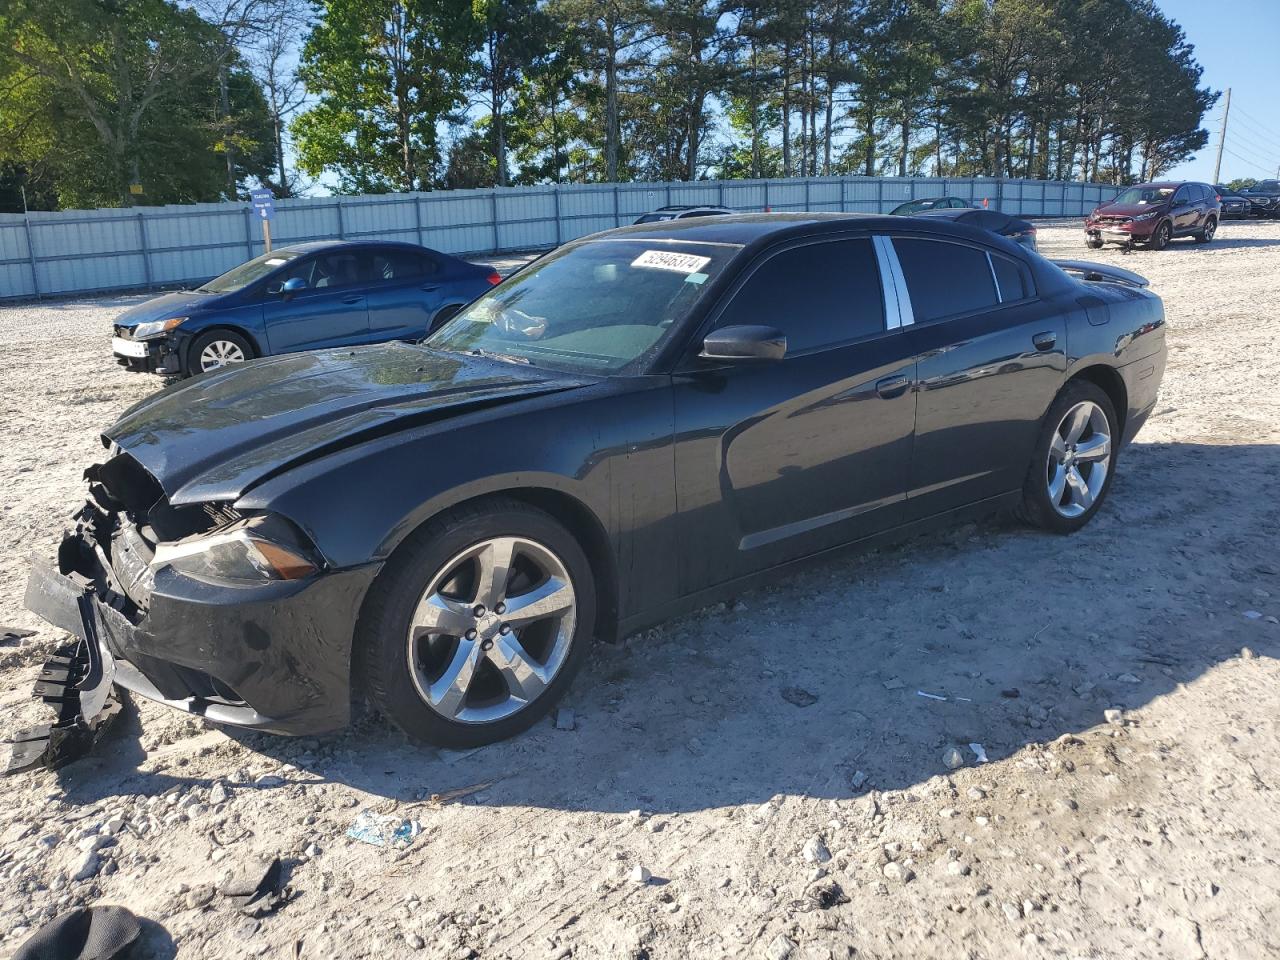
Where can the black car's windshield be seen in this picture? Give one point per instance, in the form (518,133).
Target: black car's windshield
(594,307)
(1143,196)
(240,277)
(1267,186)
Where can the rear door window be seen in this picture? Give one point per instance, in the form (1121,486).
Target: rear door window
(944,279)
(1013,285)
(391,265)
(817,294)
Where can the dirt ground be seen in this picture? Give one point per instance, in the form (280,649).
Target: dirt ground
(769,829)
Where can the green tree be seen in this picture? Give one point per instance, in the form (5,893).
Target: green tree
(386,74)
(100,95)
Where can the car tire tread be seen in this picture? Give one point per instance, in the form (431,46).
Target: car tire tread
(1035,508)
(379,663)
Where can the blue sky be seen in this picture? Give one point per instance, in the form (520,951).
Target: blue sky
(1238,44)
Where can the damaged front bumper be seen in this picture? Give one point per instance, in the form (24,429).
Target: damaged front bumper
(274,656)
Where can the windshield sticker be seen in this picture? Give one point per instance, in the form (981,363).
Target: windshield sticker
(670,260)
(276,261)
(696,278)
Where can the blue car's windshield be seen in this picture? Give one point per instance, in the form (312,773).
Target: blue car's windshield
(594,307)
(237,278)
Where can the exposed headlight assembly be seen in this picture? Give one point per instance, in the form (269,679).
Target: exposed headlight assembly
(1147,216)
(157,328)
(249,551)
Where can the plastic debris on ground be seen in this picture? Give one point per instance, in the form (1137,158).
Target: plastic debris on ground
(383,830)
(979,751)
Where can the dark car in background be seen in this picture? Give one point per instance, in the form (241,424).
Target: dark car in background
(634,425)
(1152,214)
(683,211)
(929,203)
(1019,231)
(1264,197)
(302,297)
(1235,205)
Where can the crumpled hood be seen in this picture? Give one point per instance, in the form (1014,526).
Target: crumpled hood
(213,437)
(176,304)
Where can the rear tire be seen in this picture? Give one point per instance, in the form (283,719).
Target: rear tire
(1210,228)
(1074,460)
(431,650)
(443,316)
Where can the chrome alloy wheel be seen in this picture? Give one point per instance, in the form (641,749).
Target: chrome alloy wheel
(1210,229)
(492,630)
(220,353)
(1079,458)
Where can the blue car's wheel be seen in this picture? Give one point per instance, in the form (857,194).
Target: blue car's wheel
(216,349)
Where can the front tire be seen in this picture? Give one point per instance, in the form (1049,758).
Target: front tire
(477,625)
(1074,459)
(1160,239)
(1210,228)
(1093,244)
(216,349)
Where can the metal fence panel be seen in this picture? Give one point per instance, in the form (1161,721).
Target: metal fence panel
(83,251)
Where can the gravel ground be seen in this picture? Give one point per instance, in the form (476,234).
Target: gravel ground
(1122,683)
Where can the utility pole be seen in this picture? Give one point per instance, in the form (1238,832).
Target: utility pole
(1222,136)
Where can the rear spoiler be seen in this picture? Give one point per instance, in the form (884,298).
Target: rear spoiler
(1100,273)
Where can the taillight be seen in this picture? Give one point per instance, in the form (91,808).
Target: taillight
(494,278)
(1218,198)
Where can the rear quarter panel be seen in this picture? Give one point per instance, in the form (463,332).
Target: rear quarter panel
(1123,328)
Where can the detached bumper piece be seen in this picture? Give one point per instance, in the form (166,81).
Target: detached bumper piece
(77,684)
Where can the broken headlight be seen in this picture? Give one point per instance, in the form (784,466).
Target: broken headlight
(253,550)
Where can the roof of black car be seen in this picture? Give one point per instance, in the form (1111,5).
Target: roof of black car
(744,228)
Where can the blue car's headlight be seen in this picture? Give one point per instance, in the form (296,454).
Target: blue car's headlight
(157,328)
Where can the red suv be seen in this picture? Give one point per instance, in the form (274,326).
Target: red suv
(1155,213)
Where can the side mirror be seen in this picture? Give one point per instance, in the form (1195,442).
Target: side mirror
(744,343)
(292,286)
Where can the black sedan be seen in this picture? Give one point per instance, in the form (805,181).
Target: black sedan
(1019,231)
(632,426)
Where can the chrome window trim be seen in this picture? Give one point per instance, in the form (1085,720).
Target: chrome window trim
(893,282)
(994,279)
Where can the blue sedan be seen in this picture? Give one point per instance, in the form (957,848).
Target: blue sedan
(305,297)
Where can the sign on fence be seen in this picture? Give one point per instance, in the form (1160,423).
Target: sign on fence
(264,202)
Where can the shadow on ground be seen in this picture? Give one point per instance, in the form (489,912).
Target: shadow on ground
(1028,637)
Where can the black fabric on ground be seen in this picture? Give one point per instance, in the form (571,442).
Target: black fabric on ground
(85,933)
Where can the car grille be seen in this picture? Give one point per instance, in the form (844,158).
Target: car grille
(1113,219)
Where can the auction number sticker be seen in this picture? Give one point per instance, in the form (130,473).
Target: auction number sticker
(670,260)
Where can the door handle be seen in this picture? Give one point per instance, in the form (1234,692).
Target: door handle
(891,387)
(352,299)
(1045,341)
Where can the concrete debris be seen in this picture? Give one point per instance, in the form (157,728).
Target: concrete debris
(815,850)
(799,697)
(781,948)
